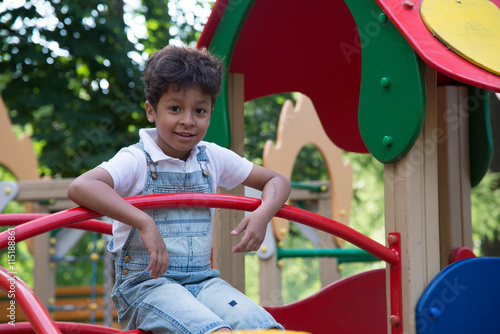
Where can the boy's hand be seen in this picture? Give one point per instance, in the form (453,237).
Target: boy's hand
(254,225)
(157,250)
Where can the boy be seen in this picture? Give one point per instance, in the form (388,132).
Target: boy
(164,283)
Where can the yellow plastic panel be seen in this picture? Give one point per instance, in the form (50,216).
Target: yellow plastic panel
(470,28)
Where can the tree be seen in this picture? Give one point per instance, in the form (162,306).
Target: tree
(70,74)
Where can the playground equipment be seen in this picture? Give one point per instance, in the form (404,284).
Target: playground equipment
(82,218)
(381,83)
(280,156)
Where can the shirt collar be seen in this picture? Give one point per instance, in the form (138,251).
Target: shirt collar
(148,136)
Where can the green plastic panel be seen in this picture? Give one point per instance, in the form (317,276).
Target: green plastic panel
(480,138)
(392,93)
(222,44)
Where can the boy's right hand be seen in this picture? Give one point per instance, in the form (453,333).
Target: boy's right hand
(159,259)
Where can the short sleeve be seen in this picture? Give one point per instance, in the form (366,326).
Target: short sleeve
(233,168)
(128,171)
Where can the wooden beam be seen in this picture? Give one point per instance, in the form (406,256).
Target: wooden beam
(43,190)
(454,171)
(411,208)
(231,266)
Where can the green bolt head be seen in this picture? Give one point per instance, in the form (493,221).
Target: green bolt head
(382,18)
(385,82)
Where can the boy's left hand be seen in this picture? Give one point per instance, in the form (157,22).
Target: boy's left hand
(254,225)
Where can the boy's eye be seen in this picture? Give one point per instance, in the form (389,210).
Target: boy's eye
(200,111)
(175,108)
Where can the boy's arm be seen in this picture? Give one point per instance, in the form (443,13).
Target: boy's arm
(94,190)
(275,192)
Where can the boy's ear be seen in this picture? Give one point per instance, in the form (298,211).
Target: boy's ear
(150,112)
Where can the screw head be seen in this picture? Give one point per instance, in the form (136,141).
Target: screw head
(392,239)
(395,320)
(385,82)
(434,312)
(387,141)
(408,4)
(382,18)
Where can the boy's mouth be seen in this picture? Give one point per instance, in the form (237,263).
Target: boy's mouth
(184,134)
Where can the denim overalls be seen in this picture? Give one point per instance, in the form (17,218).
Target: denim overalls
(190,297)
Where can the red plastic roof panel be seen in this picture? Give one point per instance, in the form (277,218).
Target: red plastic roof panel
(405,14)
(292,46)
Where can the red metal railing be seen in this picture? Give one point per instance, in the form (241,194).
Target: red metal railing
(83,219)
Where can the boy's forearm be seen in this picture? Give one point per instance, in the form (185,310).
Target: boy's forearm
(98,196)
(275,194)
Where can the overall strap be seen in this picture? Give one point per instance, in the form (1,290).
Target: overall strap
(151,164)
(203,160)
(140,146)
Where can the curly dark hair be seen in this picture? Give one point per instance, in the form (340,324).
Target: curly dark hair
(179,67)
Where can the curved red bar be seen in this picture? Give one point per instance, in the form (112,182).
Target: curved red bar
(93,225)
(34,310)
(66,328)
(71,216)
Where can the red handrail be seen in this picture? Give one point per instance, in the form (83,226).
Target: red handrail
(92,225)
(68,218)
(20,293)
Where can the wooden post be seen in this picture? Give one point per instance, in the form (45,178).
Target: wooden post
(454,170)
(411,208)
(231,266)
(43,273)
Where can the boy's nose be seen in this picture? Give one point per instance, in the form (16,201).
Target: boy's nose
(187,119)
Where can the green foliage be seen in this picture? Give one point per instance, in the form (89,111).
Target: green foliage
(485,201)
(23,262)
(67,74)
(261,123)
(72,70)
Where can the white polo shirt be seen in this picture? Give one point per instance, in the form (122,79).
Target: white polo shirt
(128,169)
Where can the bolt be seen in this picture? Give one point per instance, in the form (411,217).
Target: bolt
(382,18)
(395,320)
(8,190)
(263,249)
(392,239)
(385,82)
(387,141)
(434,312)
(408,4)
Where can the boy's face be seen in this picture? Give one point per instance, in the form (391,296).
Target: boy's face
(182,119)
